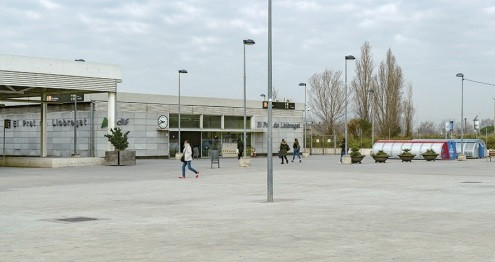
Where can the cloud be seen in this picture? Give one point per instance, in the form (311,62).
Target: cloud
(299,5)
(104,26)
(48,4)
(490,10)
(385,13)
(400,38)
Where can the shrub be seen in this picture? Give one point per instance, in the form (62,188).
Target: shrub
(380,153)
(405,152)
(430,152)
(118,139)
(355,152)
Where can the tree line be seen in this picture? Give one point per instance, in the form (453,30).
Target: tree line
(375,92)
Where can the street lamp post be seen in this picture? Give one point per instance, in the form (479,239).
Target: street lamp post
(493,116)
(75,116)
(347,57)
(75,125)
(182,71)
(372,92)
(462,157)
(269,176)
(304,133)
(246,42)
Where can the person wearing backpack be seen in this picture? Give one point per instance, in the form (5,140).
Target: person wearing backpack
(297,150)
(284,147)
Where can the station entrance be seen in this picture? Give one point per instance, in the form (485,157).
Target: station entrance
(204,142)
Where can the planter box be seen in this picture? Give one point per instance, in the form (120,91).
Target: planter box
(120,158)
(380,159)
(127,158)
(430,157)
(356,159)
(407,158)
(112,158)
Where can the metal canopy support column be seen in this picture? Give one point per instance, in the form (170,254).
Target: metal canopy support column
(111,114)
(43,125)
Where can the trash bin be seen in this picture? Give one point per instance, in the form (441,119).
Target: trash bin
(215,157)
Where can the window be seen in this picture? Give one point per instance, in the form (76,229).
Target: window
(236,122)
(212,122)
(186,121)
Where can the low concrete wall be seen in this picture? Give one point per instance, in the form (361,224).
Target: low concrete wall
(47,162)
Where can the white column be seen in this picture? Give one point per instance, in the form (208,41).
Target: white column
(43,125)
(111,114)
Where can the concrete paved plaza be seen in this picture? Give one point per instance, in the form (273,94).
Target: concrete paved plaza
(323,211)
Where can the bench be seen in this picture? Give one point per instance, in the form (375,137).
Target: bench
(491,153)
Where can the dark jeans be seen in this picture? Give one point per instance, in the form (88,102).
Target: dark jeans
(296,153)
(241,152)
(188,163)
(342,153)
(286,160)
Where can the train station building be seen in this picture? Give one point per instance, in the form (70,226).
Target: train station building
(38,98)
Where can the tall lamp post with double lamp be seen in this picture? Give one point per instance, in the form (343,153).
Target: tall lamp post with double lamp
(461,156)
(245,162)
(346,159)
(304,133)
(182,71)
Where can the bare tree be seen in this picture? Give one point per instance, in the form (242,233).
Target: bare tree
(427,128)
(363,83)
(408,112)
(326,99)
(274,94)
(388,94)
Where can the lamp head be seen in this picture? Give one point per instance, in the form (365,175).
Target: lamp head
(80,60)
(248,42)
(182,71)
(349,57)
(460,75)
(302,84)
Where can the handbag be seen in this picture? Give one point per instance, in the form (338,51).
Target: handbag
(182,158)
(279,154)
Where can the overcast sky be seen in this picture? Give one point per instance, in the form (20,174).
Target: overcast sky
(151,39)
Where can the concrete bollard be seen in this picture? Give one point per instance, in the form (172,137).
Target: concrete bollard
(245,161)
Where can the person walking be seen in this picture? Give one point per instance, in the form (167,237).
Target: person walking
(240,148)
(297,150)
(284,147)
(186,160)
(342,150)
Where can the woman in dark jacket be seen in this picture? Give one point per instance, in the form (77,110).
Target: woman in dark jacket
(342,150)
(284,147)
(297,149)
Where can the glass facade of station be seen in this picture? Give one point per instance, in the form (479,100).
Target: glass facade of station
(205,132)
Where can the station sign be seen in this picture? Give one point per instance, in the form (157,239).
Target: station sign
(280,105)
